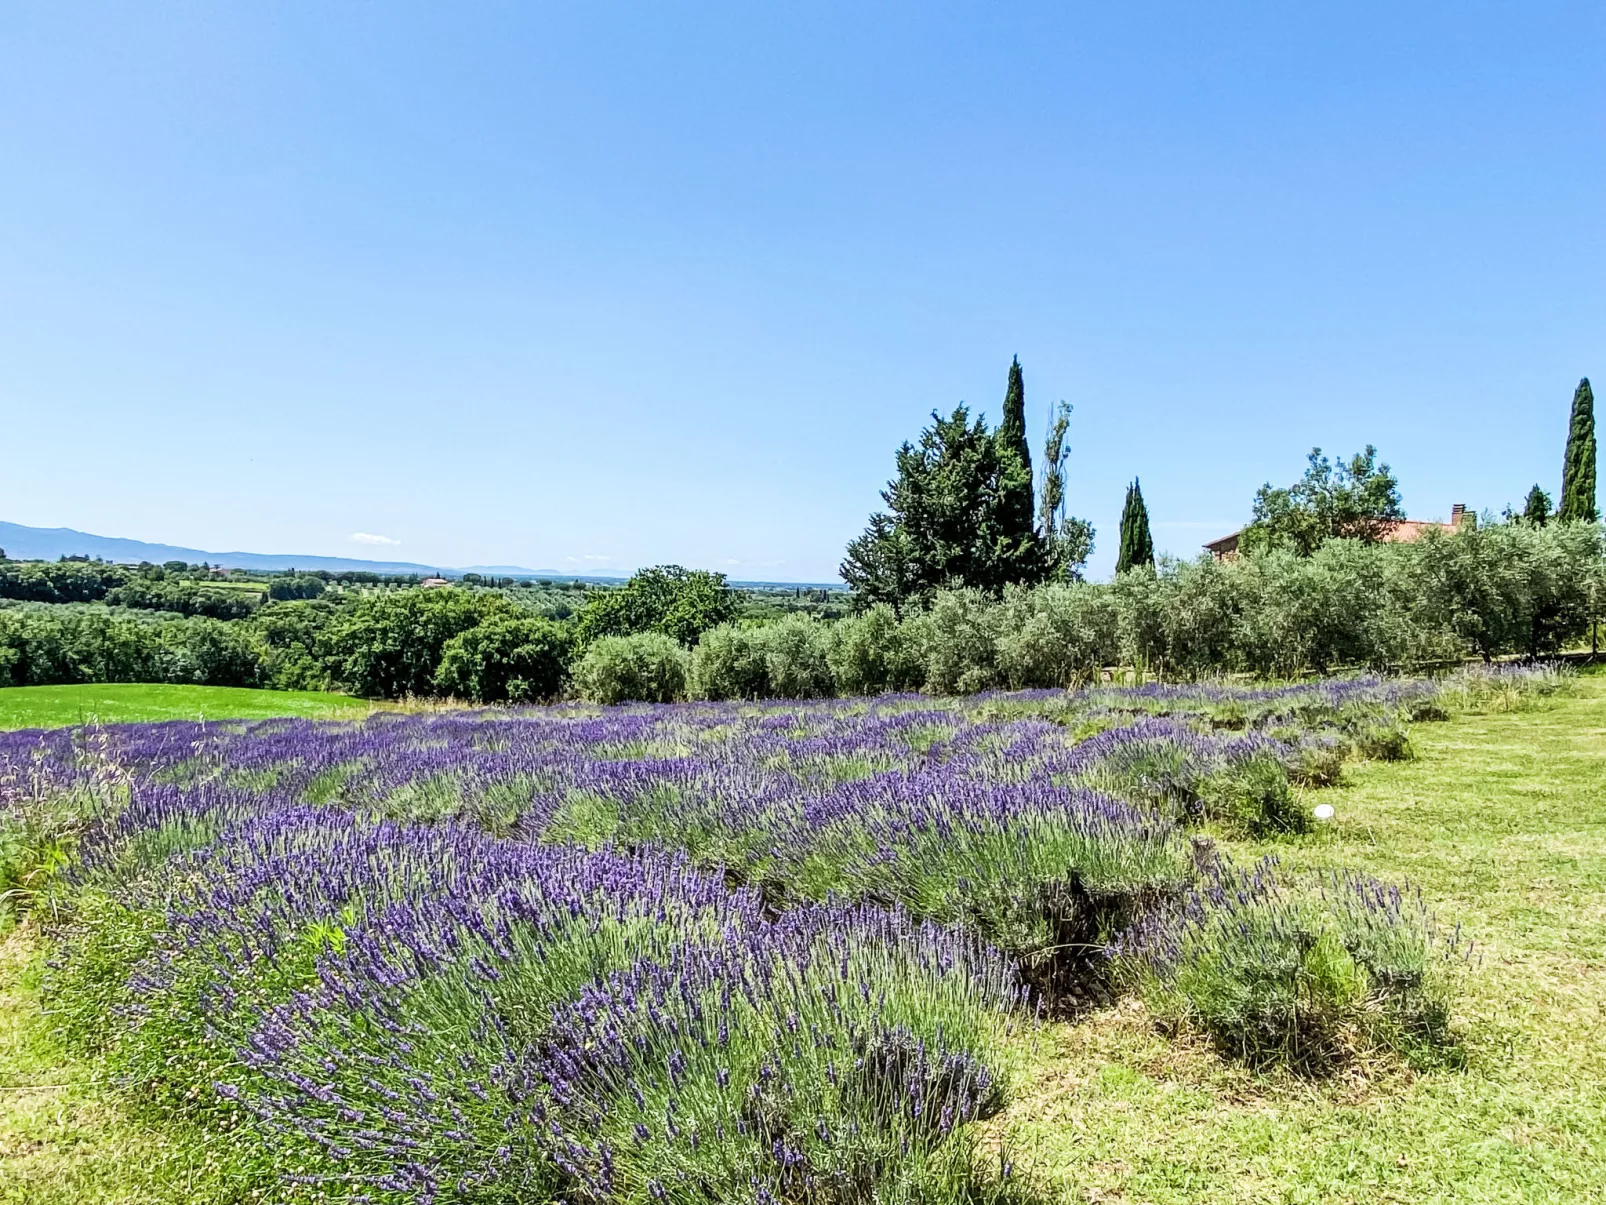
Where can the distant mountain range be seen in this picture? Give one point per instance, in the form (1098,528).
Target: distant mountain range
(50,543)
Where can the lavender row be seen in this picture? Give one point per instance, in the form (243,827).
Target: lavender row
(421,1012)
(955,811)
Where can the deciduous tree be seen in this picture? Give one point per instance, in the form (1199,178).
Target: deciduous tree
(1357,500)
(673,601)
(511,658)
(1067,540)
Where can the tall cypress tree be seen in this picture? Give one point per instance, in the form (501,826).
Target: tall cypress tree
(1017,503)
(1012,430)
(1137,547)
(1578,466)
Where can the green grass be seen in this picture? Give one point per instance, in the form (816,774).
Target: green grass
(1501,818)
(134,702)
(65,1140)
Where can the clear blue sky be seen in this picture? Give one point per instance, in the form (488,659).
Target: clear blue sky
(603,285)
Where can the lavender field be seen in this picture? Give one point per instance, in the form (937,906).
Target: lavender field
(703,952)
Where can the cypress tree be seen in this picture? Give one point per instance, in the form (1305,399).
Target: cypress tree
(1137,547)
(1578,466)
(1537,509)
(1017,531)
(1012,430)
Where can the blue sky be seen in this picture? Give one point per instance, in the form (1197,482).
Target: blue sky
(591,286)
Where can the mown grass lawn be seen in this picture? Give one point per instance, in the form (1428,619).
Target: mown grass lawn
(137,702)
(64,1139)
(1501,819)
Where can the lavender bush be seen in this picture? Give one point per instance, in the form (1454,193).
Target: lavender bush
(1303,972)
(1501,687)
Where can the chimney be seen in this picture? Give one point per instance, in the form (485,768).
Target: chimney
(1458,515)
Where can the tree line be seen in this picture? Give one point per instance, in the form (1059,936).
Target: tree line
(1513,587)
(971,578)
(959,508)
(464,642)
(1494,590)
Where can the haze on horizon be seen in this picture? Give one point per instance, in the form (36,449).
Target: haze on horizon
(601,286)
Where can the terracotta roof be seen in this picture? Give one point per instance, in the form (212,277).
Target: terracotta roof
(1403,532)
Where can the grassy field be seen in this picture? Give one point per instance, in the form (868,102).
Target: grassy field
(133,702)
(1501,818)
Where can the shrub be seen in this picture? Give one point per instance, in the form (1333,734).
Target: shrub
(1499,687)
(786,659)
(1202,604)
(1511,587)
(1318,761)
(1302,974)
(413,1009)
(867,1097)
(507,659)
(872,652)
(1252,795)
(1055,636)
(795,658)
(729,663)
(647,667)
(1162,763)
(1383,739)
(1496,588)
(1046,881)
(957,641)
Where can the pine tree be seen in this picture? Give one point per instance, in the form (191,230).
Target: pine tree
(1578,466)
(1536,510)
(948,521)
(1137,547)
